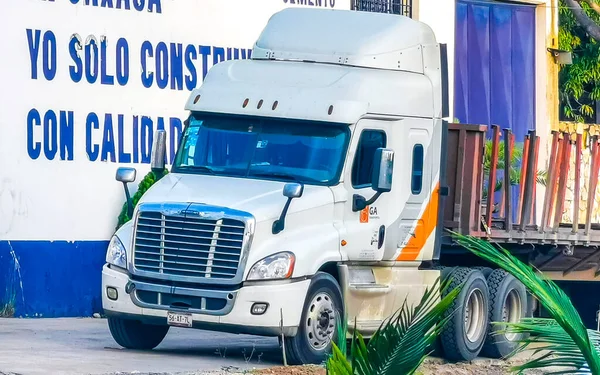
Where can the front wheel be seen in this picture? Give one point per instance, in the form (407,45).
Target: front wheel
(132,334)
(318,325)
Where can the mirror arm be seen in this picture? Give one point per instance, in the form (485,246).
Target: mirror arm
(279,224)
(128,199)
(359,202)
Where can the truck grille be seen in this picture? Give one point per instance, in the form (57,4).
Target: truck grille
(189,247)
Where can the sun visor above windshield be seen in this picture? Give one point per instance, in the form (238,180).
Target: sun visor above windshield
(286,106)
(311,91)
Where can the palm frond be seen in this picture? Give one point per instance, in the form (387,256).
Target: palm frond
(515,166)
(557,303)
(338,363)
(546,335)
(403,341)
(342,331)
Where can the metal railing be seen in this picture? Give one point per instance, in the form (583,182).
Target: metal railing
(402,7)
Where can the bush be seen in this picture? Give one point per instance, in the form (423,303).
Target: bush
(143,186)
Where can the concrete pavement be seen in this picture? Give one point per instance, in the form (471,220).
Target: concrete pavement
(85,346)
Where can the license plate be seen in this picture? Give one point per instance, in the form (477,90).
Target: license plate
(179,319)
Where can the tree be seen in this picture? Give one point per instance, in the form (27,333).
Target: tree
(580,82)
(585,17)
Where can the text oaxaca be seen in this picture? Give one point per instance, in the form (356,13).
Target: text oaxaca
(153,6)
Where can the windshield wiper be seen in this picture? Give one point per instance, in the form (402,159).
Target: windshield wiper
(285,176)
(276,174)
(199,168)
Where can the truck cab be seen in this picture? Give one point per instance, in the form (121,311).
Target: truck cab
(305,189)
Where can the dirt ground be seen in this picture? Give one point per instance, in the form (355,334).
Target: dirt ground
(430,367)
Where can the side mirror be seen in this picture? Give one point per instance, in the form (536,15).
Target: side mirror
(126,175)
(383,169)
(159,150)
(381,179)
(293,190)
(290,191)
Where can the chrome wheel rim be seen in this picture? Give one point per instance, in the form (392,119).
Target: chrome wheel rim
(320,321)
(511,311)
(474,315)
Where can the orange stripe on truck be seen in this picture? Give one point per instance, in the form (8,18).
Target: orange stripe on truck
(422,232)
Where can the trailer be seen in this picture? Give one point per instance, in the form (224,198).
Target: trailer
(547,244)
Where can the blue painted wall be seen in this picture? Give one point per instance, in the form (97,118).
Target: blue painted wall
(494,65)
(495,69)
(56,279)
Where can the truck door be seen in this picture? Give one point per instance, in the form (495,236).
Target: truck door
(416,220)
(364,231)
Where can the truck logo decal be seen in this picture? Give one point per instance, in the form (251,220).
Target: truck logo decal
(375,237)
(193,212)
(373,212)
(422,232)
(364,215)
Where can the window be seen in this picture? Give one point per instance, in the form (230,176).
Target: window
(370,140)
(402,7)
(268,149)
(417,170)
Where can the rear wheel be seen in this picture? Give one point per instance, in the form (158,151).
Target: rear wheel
(486,271)
(508,303)
(318,324)
(464,334)
(531,305)
(132,334)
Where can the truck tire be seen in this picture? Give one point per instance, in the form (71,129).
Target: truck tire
(463,335)
(485,270)
(132,334)
(531,305)
(318,325)
(508,303)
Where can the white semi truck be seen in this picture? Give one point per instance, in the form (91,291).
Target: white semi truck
(311,180)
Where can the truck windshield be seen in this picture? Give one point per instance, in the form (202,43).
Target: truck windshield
(250,147)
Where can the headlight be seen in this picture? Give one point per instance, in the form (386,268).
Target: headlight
(116,254)
(277,266)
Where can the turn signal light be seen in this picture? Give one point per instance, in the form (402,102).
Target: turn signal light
(112,293)
(259,308)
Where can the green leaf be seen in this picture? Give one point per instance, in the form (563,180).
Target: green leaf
(403,341)
(406,338)
(554,300)
(143,186)
(337,364)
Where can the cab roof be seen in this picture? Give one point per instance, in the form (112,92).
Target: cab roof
(346,37)
(329,65)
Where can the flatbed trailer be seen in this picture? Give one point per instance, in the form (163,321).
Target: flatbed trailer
(548,243)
